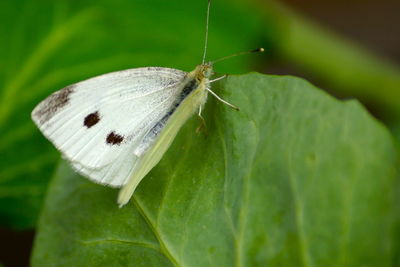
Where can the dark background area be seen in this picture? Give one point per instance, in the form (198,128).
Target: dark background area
(372,24)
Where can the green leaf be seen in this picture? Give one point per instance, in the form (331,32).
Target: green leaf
(296,178)
(50,44)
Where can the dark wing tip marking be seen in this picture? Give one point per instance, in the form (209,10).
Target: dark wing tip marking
(48,108)
(114,139)
(91,119)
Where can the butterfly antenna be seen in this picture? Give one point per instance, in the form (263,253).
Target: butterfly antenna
(206,39)
(239,54)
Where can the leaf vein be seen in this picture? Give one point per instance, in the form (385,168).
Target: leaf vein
(163,246)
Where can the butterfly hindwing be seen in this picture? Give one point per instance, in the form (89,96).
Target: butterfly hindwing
(98,123)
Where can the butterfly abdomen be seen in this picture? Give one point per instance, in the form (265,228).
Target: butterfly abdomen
(192,86)
(156,142)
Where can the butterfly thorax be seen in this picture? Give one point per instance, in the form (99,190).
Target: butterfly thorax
(195,84)
(203,71)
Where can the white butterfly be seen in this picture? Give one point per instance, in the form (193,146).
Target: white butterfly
(116,127)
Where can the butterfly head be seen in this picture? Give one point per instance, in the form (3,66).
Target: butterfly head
(204,71)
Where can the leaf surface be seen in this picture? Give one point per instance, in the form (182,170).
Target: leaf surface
(296,178)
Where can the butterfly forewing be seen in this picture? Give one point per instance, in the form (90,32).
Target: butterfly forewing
(98,123)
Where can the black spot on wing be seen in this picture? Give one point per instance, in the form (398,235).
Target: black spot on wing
(91,119)
(49,107)
(114,139)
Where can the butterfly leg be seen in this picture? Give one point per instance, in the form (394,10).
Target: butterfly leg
(216,96)
(202,123)
(219,78)
(223,101)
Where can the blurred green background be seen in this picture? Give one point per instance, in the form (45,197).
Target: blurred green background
(349,48)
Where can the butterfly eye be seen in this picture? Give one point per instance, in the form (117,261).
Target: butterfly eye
(208,72)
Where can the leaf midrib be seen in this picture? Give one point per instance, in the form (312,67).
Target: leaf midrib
(163,247)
